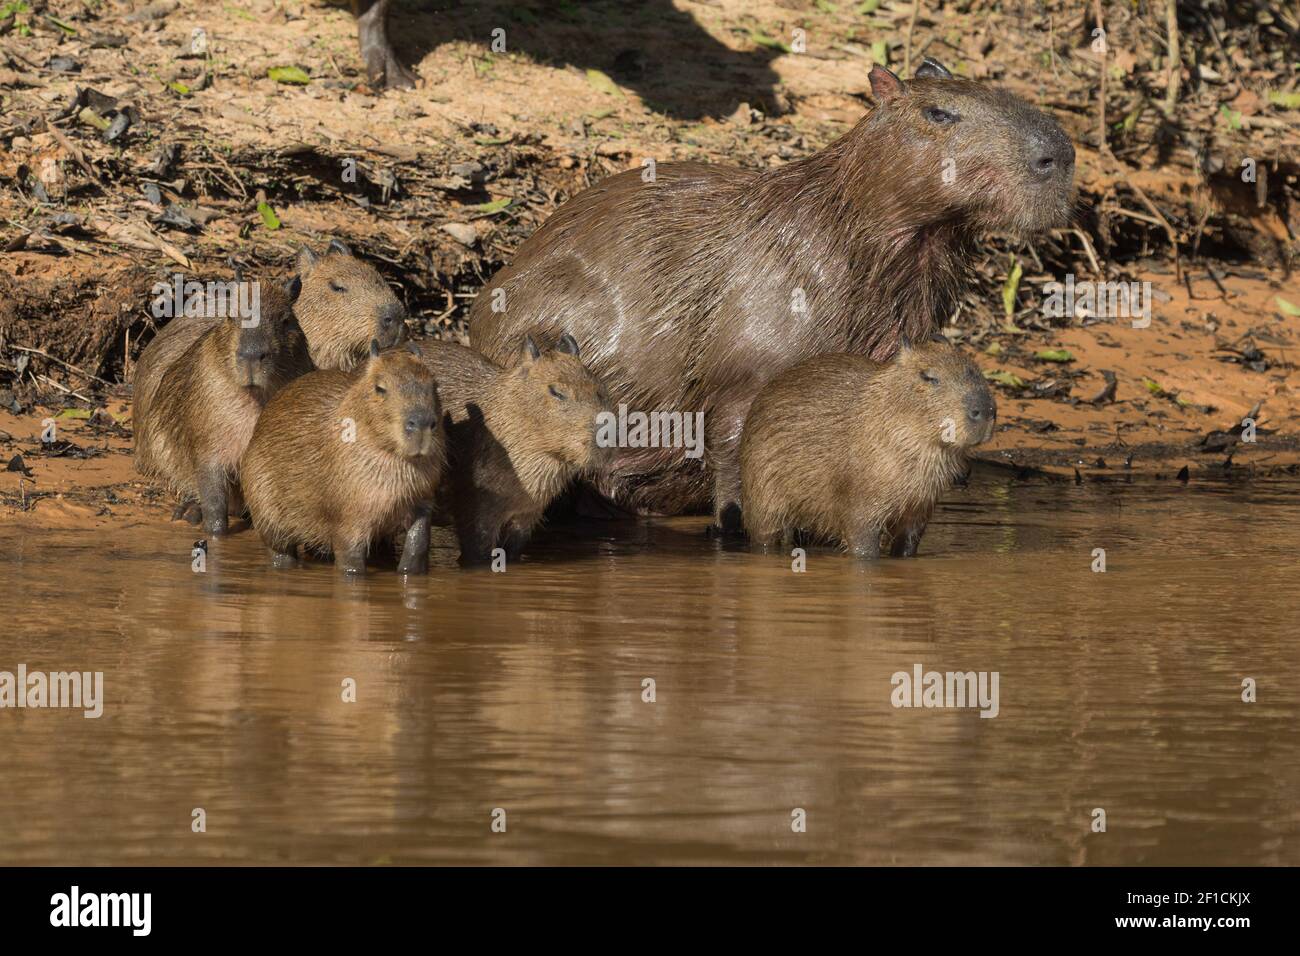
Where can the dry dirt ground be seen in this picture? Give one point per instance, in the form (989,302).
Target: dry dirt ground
(220,163)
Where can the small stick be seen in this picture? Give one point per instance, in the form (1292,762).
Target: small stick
(1101,73)
(907,43)
(66,391)
(73,150)
(69,366)
(1175,63)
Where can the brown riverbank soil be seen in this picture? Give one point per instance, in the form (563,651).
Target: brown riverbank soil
(220,163)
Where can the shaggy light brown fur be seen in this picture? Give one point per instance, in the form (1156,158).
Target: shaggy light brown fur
(307,484)
(202,409)
(845,448)
(344,305)
(518,437)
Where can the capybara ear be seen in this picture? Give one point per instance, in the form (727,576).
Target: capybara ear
(374,348)
(932,68)
(904,344)
(292,288)
(530,352)
(937,336)
(568,344)
(412,348)
(885,84)
(306,260)
(337,248)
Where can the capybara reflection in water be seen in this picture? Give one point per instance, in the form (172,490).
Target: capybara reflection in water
(205,404)
(517,436)
(340,459)
(846,448)
(692,285)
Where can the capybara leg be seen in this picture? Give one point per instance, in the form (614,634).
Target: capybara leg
(476,544)
(350,557)
(382,65)
(214,500)
(724,452)
(284,556)
(188,510)
(415,552)
(515,538)
(907,537)
(865,543)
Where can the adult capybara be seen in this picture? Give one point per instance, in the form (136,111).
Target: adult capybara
(847,448)
(517,438)
(343,305)
(339,458)
(203,409)
(691,285)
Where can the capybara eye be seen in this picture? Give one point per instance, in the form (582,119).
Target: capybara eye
(930,376)
(380,390)
(937,116)
(338,286)
(559,394)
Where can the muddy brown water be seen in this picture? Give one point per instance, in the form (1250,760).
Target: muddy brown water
(524,691)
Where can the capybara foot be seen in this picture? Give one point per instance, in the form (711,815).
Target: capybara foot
(396,76)
(217,525)
(283,559)
(727,522)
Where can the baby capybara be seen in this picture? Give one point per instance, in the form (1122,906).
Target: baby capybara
(845,448)
(691,285)
(343,305)
(517,436)
(206,403)
(339,459)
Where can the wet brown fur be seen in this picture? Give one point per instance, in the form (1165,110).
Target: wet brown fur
(682,289)
(845,448)
(514,445)
(202,409)
(306,486)
(344,305)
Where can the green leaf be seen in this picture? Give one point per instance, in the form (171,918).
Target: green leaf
(176,86)
(601,83)
(880,52)
(993,349)
(13,7)
(772,43)
(825,6)
(490,141)
(488,208)
(289,74)
(65,27)
(1286,101)
(73,413)
(1010,379)
(1009,290)
(870,6)
(1288,308)
(269,218)
(1153,386)
(1054,355)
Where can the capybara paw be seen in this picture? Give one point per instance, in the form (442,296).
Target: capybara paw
(398,77)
